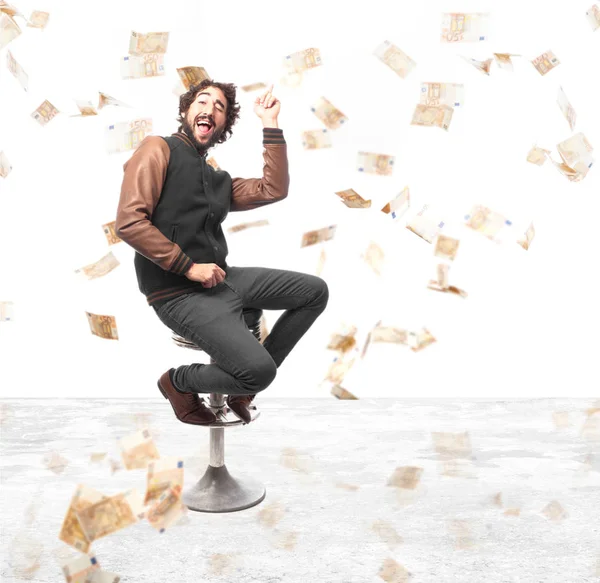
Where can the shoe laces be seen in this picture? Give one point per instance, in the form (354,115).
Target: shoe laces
(190,398)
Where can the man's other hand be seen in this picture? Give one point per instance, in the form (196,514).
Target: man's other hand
(208,274)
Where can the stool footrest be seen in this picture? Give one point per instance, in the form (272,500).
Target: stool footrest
(226,418)
(219,491)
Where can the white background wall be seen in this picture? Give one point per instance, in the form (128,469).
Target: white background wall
(529,327)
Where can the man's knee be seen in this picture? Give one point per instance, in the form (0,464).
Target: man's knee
(321,291)
(259,374)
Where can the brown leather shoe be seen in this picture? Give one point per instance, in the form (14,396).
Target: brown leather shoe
(188,407)
(239,406)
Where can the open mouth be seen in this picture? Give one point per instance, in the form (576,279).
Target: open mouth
(204,127)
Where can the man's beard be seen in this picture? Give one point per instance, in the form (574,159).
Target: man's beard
(201,147)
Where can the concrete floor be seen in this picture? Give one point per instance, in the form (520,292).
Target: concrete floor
(518,501)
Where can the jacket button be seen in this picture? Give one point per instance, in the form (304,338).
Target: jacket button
(212,214)
(215,247)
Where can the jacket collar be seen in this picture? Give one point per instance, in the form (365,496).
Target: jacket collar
(186,140)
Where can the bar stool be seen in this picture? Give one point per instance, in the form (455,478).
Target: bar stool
(218,490)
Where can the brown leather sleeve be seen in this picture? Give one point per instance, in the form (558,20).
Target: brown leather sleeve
(142,184)
(249,193)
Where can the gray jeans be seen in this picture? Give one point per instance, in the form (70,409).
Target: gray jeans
(212,319)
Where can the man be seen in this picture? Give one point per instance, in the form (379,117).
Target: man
(170,211)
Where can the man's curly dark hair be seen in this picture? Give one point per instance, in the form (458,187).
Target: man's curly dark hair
(233,108)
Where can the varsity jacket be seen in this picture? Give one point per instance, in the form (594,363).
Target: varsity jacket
(172,204)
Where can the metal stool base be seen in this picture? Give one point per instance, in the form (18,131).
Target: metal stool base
(219,491)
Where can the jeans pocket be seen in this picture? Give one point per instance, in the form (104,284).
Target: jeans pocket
(231,287)
(167,307)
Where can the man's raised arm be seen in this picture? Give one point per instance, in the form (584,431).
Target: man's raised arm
(249,193)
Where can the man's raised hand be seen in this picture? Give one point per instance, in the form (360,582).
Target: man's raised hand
(267,106)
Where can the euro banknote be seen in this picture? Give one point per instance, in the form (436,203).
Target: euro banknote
(251,224)
(504,61)
(103,326)
(138,449)
(5,165)
(38,19)
(330,115)
(318,236)
(446,247)
(78,569)
(396,59)
(566,108)
(373,163)
(99,268)
(9,30)
(316,139)
(128,135)
(111,233)
(104,100)
(545,62)
(374,257)
(142,66)
(487,222)
(145,43)
(71,531)
(460,27)
(17,71)
(105,517)
(432,115)
(526,239)
(192,76)
(407,477)
(45,113)
(483,66)
(301,61)
(426,224)
(162,474)
(593,16)
(352,199)
(167,509)
(398,205)
(450,94)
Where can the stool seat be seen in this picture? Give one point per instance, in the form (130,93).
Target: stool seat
(218,490)
(180,341)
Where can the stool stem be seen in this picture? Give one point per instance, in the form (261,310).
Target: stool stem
(217,435)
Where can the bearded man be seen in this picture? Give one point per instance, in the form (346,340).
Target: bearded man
(171,207)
